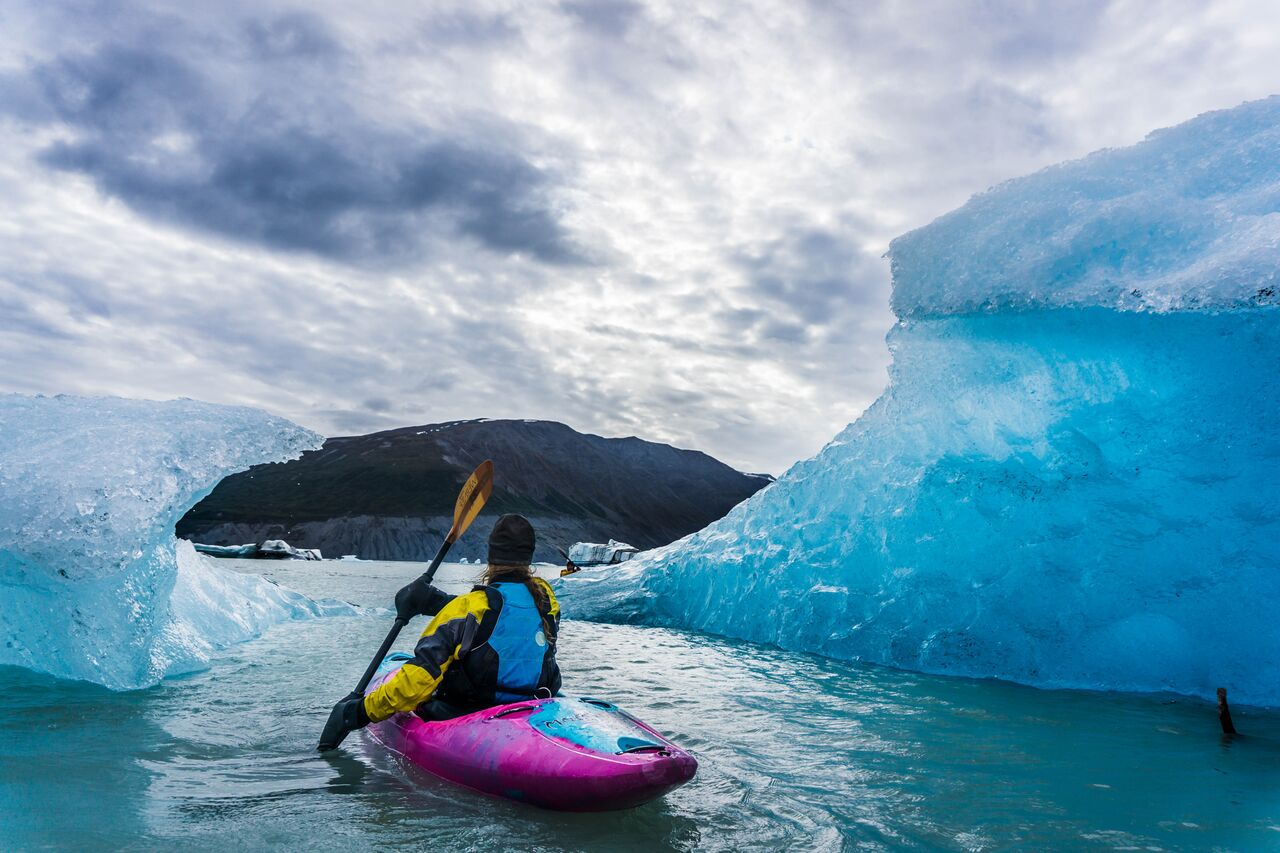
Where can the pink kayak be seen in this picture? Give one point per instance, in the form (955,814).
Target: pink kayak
(569,754)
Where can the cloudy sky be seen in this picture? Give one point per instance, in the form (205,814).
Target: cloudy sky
(659,219)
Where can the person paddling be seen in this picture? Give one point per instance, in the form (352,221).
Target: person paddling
(493,645)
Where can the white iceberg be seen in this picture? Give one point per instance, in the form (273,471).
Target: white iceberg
(95,585)
(596,553)
(270,549)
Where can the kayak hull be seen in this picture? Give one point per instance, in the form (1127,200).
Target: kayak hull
(563,753)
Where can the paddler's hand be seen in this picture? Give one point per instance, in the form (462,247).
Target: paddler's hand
(420,598)
(347,716)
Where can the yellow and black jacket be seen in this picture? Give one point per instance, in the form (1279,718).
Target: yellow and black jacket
(490,646)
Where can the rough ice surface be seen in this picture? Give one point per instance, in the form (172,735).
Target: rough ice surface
(1064,484)
(1187,219)
(95,586)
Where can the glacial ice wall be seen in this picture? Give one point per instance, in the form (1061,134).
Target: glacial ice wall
(95,586)
(1073,477)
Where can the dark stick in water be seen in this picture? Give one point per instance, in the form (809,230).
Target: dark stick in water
(1224,713)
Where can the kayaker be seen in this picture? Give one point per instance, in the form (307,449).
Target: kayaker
(493,645)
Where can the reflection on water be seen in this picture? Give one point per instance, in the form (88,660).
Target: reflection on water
(795,752)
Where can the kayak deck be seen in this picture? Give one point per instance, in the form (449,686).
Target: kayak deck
(563,753)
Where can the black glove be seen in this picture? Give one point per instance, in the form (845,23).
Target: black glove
(347,716)
(420,598)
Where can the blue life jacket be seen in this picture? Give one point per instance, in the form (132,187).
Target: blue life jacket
(509,658)
(520,641)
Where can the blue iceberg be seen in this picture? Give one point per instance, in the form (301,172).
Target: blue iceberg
(1073,477)
(95,585)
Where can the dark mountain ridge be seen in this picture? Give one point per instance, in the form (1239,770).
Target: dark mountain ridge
(389,495)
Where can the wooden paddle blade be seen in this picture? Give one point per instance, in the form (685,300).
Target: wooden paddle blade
(475,492)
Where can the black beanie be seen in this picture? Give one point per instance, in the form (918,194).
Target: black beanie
(512,541)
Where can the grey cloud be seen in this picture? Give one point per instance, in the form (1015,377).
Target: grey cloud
(353,422)
(785,332)
(1003,110)
(153,131)
(625,55)
(611,18)
(958,87)
(683,398)
(437,380)
(381,405)
(809,277)
(1014,34)
(129,93)
(81,298)
(291,35)
(469,27)
(1022,34)
(84,298)
(742,319)
(16,317)
(677,343)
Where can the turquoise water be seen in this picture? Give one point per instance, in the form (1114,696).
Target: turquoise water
(796,751)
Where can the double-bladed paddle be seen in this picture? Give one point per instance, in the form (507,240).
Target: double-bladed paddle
(471,500)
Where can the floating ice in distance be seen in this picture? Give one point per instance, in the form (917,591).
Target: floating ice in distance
(1053,489)
(592,553)
(267,549)
(90,489)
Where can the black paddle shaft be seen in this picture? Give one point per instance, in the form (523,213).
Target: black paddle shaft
(399,623)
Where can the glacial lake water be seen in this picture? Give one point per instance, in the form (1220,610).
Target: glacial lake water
(796,752)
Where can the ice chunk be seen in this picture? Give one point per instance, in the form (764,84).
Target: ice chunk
(596,553)
(282,550)
(1188,219)
(90,489)
(238,552)
(1077,495)
(211,608)
(270,549)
